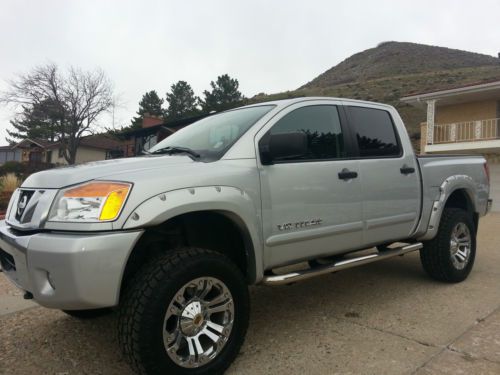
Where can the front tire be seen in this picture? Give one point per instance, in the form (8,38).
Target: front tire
(185,312)
(450,255)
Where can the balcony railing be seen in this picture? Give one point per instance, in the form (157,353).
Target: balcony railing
(469,131)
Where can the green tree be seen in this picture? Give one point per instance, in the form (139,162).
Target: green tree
(150,103)
(38,120)
(224,94)
(181,101)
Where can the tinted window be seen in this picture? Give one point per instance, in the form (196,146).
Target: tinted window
(374,131)
(321,124)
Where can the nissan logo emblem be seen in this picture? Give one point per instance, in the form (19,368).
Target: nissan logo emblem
(21,205)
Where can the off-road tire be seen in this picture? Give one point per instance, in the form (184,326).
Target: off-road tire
(88,314)
(436,256)
(147,297)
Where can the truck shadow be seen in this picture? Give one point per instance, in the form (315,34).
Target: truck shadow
(353,293)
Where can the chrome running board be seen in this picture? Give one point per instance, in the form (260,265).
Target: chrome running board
(309,273)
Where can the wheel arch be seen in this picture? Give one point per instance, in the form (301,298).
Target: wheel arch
(218,230)
(462,198)
(457,191)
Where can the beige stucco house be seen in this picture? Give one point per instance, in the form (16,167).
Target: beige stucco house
(91,148)
(464,120)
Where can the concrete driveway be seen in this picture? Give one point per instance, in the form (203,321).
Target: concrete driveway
(384,318)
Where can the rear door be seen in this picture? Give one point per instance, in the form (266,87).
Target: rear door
(388,174)
(308,209)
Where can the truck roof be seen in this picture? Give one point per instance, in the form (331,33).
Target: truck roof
(286,102)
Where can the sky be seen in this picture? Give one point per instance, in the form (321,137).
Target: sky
(269,46)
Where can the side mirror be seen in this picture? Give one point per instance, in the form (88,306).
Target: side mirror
(282,146)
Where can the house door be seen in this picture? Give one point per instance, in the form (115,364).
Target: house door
(35,157)
(495,185)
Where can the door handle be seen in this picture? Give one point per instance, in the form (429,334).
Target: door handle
(346,174)
(407,170)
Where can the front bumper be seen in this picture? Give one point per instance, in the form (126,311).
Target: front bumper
(71,271)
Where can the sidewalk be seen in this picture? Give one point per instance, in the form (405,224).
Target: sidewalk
(11,298)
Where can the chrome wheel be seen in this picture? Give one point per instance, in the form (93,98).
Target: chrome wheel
(460,245)
(198,322)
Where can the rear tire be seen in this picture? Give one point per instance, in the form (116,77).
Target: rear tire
(450,256)
(180,304)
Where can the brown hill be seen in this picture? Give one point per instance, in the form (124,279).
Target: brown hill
(394,69)
(399,58)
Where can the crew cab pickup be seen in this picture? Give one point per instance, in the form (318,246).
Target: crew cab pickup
(173,239)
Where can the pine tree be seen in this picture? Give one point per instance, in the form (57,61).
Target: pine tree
(181,101)
(224,94)
(40,120)
(150,103)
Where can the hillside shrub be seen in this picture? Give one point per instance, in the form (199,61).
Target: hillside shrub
(12,167)
(4,201)
(8,184)
(23,170)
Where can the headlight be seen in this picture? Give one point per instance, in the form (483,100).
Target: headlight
(90,202)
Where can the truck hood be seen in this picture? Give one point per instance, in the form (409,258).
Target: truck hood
(69,175)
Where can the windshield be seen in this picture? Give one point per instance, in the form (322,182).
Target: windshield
(212,136)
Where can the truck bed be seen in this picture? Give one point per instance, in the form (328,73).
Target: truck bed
(439,172)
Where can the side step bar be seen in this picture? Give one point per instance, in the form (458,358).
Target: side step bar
(309,273)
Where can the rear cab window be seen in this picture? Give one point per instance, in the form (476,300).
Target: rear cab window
(374,132)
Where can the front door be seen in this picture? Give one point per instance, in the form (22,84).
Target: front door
(389,176)
(308,209)
(35,157)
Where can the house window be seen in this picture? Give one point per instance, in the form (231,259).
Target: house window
(113,154)
(149,142)
(145,143)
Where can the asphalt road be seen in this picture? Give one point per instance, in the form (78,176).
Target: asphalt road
(384,318)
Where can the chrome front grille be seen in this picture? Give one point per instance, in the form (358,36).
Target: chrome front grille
(25,206)
(28,208)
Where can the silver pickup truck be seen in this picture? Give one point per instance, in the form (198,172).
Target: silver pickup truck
(173,238)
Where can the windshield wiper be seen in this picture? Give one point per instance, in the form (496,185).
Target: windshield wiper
(176,150)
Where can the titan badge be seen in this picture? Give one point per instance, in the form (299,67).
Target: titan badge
(299,224)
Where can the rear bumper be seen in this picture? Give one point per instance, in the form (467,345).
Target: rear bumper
(67,270)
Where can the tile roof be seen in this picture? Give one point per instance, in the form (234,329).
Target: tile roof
(102,141)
